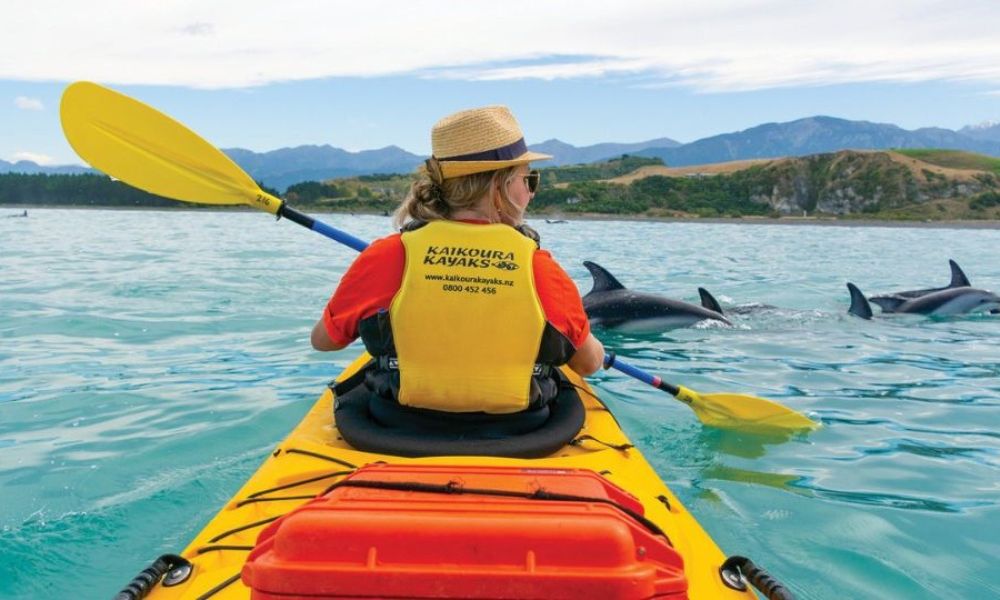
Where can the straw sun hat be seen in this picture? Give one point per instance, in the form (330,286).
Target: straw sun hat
(478,140)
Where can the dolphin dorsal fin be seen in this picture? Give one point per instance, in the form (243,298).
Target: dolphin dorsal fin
(958,278)
(859,304)
(603,281)
(709,301)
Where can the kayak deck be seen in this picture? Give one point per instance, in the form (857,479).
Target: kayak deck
(313,457)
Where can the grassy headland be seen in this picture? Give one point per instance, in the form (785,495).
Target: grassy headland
(954,159)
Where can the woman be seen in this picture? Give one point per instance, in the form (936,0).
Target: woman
(461,310)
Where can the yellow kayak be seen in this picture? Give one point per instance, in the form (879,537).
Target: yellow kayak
(320,519)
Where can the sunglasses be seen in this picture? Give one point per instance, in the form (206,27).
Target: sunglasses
(532,179)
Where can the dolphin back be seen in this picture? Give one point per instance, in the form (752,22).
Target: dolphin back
(859,304)
(958,279)
(889,303)
(953,301)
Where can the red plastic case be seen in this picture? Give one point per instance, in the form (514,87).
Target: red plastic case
(386,543)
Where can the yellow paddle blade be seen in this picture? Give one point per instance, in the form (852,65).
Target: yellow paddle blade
(744,412)
(146,149)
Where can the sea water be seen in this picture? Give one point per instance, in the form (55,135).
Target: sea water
(150,360)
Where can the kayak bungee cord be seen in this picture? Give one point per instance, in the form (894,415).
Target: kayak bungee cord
(243,528)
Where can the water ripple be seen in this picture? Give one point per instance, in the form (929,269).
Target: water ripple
(149,360)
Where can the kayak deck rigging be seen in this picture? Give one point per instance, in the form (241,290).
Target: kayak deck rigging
(314,458)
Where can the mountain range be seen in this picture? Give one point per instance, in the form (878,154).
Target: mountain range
(812,135)
(567,154)
(989,130)
(29,167)
(287,166)
(816,135)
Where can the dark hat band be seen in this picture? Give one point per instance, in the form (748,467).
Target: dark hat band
(508,152)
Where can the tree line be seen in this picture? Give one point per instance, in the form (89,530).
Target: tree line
(77,190)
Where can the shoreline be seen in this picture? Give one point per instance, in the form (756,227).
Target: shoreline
(540,217)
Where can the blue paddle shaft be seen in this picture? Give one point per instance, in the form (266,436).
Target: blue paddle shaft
(340,236)
(610,360)
(320,227)
(613,362)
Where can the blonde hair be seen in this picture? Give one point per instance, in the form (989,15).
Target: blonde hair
(434,199)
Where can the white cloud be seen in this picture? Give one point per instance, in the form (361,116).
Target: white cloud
(713,45)
(25,103)
(35,157)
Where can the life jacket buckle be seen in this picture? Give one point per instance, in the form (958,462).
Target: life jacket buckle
(388,363)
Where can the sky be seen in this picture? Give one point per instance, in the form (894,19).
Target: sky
(362,75)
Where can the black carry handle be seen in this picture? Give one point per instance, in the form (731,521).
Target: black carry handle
(738,570)
(144,582)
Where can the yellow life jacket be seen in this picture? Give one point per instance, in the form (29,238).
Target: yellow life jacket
(466,321)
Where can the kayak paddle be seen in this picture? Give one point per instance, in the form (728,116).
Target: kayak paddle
(145,148)
(137,144)
(725,410)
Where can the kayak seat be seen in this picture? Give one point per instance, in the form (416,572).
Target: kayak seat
(371,423)
(393,415)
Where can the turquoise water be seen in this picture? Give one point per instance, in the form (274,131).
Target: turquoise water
(150,360)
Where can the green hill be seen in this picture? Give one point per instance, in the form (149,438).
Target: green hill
(605,169)
(366,193)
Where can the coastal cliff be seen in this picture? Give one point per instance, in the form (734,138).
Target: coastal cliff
(849,182)
(896,184)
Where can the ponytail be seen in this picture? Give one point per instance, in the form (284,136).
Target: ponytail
(433,198)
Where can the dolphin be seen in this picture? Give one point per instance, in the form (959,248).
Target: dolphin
(887,301)
(939,303)
(609,304)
